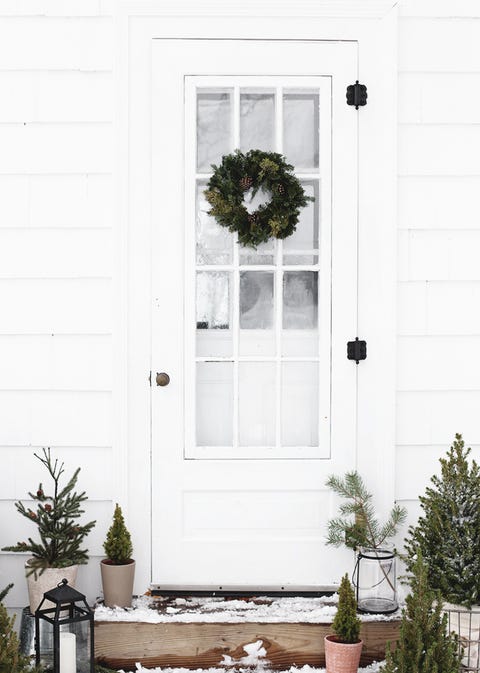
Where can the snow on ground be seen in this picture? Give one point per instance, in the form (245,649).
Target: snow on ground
(373,668)
(219,610)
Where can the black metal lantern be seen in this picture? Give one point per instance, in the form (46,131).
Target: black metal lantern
(64,631)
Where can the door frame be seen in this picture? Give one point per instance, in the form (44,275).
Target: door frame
(373,27)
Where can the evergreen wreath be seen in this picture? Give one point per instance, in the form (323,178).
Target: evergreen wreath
(256,170)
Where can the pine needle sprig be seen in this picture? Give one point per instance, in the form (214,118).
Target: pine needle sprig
(358,525)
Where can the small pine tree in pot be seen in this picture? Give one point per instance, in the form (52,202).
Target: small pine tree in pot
(343,650)
(11,661)
(424,646)
(118,569)
(59,551)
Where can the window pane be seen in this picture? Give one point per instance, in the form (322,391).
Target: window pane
(304,241)
(213,128)
(213,313)
(257,123)
(214,242)
(256,404)
(214,403)
(300,299)
(300,129)
(300,404)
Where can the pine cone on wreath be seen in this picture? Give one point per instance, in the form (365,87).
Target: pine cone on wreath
(246,182)
(281,189)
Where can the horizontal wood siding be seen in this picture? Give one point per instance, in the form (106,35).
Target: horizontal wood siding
(56,259)
(438,375)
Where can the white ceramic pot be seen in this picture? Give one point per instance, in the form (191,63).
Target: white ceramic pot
(38,584)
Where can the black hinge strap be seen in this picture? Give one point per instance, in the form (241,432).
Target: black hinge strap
(357,94)
(357,350)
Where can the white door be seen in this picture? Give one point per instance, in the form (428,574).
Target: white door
(261,404)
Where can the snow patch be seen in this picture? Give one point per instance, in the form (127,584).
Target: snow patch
(373,668)
(154,610)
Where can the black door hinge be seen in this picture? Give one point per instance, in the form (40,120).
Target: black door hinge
(357,95)
(357,350)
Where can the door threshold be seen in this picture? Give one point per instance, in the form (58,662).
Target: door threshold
(233,591)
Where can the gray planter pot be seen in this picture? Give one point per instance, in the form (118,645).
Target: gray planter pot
(117,581)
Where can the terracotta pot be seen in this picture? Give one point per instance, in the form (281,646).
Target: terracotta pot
(38,584)
(342,657)
(117,581)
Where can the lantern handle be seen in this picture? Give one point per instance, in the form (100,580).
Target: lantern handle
(63,583)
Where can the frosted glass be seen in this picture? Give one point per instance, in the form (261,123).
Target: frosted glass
(304,240)
(300,129)
(299,404)
(256,300)
(214,121)
(214,243)
(213,300)
(214,407)
(263,254)
(300,300)
(256,418)
(257,122)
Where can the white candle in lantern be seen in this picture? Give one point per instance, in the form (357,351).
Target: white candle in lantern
(68,653)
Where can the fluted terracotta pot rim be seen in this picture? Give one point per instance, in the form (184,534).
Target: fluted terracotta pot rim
(334,639)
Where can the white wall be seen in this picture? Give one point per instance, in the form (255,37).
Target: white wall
(56,221)
(56,226)
(438,238)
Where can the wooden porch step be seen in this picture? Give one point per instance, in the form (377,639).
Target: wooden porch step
(194,640)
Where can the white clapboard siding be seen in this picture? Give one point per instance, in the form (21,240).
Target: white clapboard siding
(439,255)
(38,43)
(53,148)
(56,96)
(56,362)
(438,44)
(418,101)
(438,202)
(438,363)
(412,483)
(56,201)
(96,476)
(12,570)
(434,417)
(54,253)
(64,306)
(438,149)
(48,418)
(438,308)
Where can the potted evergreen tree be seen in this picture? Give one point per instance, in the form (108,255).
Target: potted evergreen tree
(58,553)
(343,650)
(447,536)
(118,569)
(424,646)
(11,660)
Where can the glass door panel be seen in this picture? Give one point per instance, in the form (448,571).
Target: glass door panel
(258,336)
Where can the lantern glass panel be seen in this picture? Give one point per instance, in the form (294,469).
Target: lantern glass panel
(376,581)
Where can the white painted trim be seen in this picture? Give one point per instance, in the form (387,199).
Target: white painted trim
(377,215)
(348,9)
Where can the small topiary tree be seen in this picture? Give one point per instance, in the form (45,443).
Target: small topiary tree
(346,624)
(11,661)
(448,533)
(118,545)
(424,646)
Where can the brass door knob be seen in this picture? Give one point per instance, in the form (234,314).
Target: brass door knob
(162,379)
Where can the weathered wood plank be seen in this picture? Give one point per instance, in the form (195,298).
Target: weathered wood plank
(201,645)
